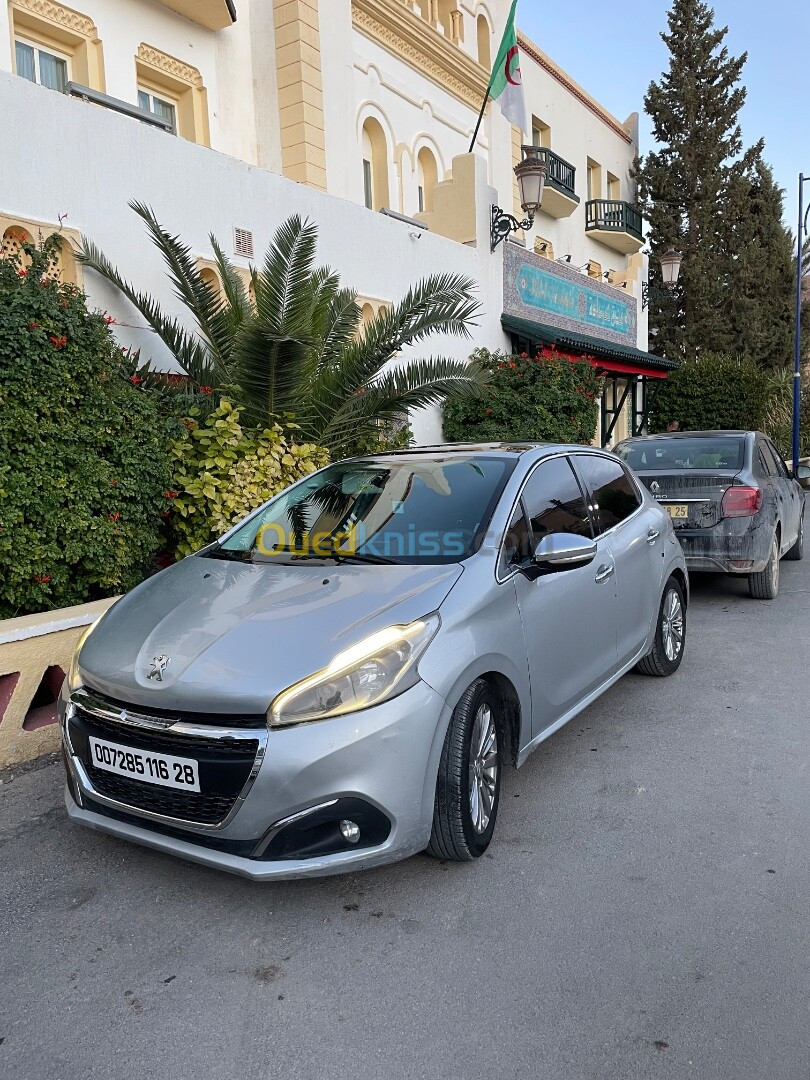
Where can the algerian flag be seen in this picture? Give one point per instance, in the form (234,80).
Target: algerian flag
(505,83)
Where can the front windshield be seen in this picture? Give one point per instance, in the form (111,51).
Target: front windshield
(663,455)
(407,510)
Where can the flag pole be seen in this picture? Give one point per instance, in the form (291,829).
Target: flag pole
(480,115)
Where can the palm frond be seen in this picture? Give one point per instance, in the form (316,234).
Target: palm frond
(233,287)
(395,392)
(189,352)
(191,289)
(283,300)
(440,304)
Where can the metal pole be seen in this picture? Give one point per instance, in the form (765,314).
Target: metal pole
(797,368)
(480,116)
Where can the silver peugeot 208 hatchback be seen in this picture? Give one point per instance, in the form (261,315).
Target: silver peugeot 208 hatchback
(339,681)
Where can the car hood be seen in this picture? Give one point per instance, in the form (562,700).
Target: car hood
(236,634)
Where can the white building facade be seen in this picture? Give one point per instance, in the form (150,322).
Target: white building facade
(226,116)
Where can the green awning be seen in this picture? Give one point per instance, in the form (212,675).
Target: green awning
(567,339)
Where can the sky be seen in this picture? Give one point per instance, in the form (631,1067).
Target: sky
(614,51)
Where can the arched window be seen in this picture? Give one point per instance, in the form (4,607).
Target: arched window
(428,177)
(13,239)
(211,280)
(375,165)
(484,53)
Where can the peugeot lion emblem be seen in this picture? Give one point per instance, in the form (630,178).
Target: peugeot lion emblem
(655,486)
(159,665)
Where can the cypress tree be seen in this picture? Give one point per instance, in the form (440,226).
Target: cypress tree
(685,184)
(761,298)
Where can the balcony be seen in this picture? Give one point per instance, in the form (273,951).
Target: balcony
(559,198)
(615,224)
(212,14)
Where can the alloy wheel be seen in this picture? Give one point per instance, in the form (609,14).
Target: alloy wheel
(672,625)
(483,770)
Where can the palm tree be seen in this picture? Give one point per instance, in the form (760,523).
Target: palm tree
(296,348)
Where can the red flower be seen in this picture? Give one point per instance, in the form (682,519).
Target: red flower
(174,380)
(489,412)
(109,320)
(113,482)
(524,356)
(511,363)
(206,389)
(114,516)
(136,380)
(170,494)
(165,513)
(58,342)
(22,272)
(190,424)
(33,326)
(42,579)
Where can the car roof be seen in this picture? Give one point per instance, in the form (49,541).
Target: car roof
(510,449)
(495,449)
(692,435)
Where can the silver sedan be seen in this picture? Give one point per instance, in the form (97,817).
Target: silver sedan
(339,681)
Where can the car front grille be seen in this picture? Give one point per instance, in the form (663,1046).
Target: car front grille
(225,764)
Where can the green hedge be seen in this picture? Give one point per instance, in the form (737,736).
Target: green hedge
(224,471)
(547,397)
(715,392)
(84,460)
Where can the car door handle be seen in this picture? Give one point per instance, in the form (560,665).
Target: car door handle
(652,536)
(603,573)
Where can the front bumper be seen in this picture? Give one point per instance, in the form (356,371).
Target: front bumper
(384,758)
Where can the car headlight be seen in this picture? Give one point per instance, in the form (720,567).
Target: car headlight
(376,668)
(73,679)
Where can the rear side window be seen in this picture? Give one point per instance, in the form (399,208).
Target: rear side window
(779,465)
(613,493)
(769,458)
(555,502)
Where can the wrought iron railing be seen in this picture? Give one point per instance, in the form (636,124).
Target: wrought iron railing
(613,215)
(560,174)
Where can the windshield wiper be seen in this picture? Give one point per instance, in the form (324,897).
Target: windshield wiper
(229,554)
(358,557)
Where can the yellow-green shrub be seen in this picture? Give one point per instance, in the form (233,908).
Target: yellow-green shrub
(222,471)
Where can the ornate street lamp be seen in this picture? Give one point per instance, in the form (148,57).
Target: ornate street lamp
(670,272)
(531,178)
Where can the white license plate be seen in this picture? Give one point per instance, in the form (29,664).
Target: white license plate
(175,772)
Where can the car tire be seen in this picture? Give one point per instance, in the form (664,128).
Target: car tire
(764,585)
(468,786)
(796,553)
(664,658)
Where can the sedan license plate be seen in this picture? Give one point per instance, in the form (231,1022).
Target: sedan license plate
(677,510)
(174,772)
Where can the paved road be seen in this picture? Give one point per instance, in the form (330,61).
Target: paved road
(643,911)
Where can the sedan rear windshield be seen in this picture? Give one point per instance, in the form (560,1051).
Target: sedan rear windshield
(406,510)
(666,455)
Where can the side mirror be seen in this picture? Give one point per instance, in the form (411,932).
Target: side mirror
(563,551)
(803,475)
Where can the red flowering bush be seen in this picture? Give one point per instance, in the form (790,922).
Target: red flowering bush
(84,457)
(547,397)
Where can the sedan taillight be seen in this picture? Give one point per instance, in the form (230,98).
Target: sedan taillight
(741,502)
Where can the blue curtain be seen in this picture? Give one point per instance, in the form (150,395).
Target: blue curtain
(25,61)
(52,71)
